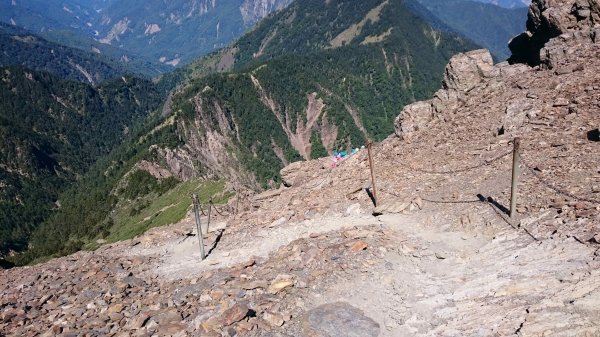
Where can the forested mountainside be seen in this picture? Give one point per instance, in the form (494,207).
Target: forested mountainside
(313,78)
(20,47)
(52,130)
(486,24)
(310,79)
(172,32)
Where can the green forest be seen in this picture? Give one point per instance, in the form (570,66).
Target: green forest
(52,131)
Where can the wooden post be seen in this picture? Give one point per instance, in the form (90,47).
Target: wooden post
(198,226)
(369,145)
(515,178)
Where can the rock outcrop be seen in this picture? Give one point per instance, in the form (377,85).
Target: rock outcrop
(548,19)
(464,72)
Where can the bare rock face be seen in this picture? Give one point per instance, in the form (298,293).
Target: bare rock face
(254,10)
(154,169)
(548,19)
(463,73)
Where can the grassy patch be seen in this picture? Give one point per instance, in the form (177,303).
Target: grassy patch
(353,31)
(132,218)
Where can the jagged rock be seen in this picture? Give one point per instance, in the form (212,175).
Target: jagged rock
(166,316)
(300,172)
(292,174)
(466,70)
(550,19)
(274,319)
(516,115)
(255,285)
(358,246)
(414,117)
(234,314)
(463,73)
(280,283)
(340,320)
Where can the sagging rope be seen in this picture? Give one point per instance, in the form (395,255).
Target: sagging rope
(554,188)
(436,201)
(465,169)
(215,208)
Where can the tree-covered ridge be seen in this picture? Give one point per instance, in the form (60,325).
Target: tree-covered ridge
(52,130)
(21,47)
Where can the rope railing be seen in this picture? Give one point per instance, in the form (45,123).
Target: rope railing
(435,201)
(487,162)
(557,190)
(215,208)
(460,170)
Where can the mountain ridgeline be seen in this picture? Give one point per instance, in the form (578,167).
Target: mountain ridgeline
(20,47)
(169,32)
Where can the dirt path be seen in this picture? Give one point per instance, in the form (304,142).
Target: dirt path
(180,258)
(436,279)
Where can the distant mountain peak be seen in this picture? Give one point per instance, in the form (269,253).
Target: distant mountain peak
(508,3)
(179,29)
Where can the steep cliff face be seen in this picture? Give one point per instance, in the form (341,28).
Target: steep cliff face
(211,145)
(254,10)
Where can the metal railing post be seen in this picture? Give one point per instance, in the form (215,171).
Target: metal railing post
(210,206)
(198,226)
(369,146)
(515,178)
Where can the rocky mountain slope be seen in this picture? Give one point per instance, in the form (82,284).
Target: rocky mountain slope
(172,33)
(441,259)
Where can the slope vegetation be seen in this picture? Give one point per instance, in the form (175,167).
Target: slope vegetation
(20,47)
